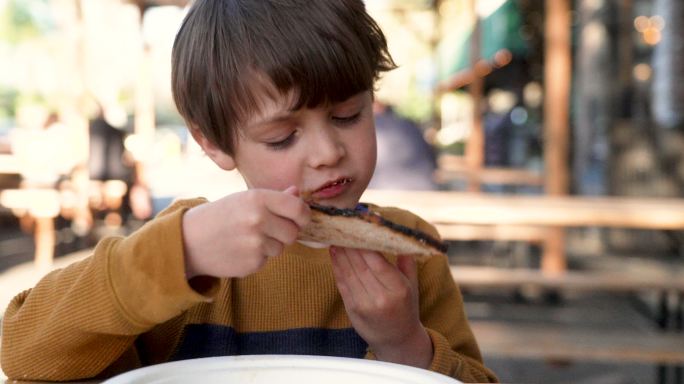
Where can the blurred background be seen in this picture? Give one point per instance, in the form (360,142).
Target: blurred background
(581,98)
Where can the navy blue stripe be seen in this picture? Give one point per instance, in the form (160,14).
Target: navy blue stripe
(206,340)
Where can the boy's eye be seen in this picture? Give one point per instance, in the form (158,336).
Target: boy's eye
(347,120)
(282,144)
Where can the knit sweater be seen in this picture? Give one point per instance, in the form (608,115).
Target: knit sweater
(130,305)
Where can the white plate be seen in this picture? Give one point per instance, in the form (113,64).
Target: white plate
(280,369)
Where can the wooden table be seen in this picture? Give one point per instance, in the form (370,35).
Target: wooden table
(43,206)
(461,215)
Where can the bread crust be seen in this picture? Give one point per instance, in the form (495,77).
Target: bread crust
(363,229)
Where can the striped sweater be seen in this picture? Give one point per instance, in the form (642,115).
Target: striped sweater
(130,305)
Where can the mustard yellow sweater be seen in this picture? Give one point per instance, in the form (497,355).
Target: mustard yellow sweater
(130,305)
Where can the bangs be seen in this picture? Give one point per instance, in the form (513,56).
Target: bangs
(320,51)
(335,62)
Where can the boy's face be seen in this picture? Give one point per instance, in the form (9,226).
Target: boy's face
(329,151)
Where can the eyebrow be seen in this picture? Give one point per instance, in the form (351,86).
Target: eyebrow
(282,116)
(277,118)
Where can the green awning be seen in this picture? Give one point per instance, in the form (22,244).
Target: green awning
(500,30)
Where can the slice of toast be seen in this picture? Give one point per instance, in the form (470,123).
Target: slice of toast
(367,230)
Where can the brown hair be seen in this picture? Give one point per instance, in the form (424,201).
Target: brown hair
(324,50)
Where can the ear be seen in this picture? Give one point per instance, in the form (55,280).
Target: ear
(222,159)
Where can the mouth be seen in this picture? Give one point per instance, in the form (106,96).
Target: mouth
(332,189)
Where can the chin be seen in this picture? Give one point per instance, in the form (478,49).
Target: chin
(340,202)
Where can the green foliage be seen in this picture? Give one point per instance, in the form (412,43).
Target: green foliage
(24,19)
(456,148)
(416,106)
(8,98)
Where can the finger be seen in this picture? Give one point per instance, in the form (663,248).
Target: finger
(383,272)
(289,206)
(366,275)
(292,190)
(407,266)
(281,229)
(340,280)
(271,247)
(349,275)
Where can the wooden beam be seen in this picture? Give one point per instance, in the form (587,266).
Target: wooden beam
(474,150)
(451,167)
(482,68)
(465,232)
(491,175)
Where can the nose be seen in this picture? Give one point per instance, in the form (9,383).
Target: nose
(326,148)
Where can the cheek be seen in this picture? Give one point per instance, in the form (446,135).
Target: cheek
(270,171)
(278,176)
(371,152)
(365,150)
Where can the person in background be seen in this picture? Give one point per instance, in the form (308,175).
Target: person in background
(281,90)
(405,159)
(106,160)
(109,164)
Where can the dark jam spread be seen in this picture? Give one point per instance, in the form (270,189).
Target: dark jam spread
(363,212)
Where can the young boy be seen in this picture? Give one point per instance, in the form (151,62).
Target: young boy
(282,91)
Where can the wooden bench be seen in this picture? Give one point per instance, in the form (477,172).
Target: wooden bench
(42,206)
(572,342)
(594,327)
(566,343)
(451,168)
(619,281)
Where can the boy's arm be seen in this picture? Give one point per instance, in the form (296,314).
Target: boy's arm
(455,349)
(80,320)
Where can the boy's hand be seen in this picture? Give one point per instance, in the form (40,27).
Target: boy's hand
(235,236)
(382,303)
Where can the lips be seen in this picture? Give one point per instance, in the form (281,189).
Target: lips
(332,189)
(337,182)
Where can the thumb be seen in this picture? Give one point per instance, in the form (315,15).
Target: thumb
(407,266)
(292,190)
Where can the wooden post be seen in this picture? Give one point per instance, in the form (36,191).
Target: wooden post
(557,74)
(80,177)
(144,119)
(144,112)
(435,38)
(474,150)
(44,239)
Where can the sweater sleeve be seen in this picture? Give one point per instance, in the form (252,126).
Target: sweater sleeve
(456,353)
(80,320)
